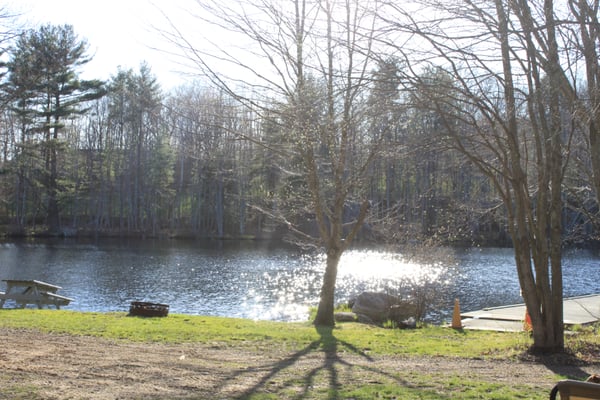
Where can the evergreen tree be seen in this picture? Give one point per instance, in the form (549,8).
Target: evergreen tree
(43,77)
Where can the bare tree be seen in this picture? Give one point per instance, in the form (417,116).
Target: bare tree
(310,62)
(499,106)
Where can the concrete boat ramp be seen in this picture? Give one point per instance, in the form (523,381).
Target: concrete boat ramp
(580,310)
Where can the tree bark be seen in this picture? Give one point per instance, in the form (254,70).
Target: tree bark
(537,230)
(325,310)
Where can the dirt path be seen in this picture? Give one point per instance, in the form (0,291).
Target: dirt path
(74,367)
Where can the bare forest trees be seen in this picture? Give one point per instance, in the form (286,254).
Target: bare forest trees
(213,166)
(580,86)
(135,123)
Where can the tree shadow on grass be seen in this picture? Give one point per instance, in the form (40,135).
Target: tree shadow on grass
(565,364)
(299,383)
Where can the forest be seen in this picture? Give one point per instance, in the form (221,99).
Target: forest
(125,158)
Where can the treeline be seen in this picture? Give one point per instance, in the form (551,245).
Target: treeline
(124,157)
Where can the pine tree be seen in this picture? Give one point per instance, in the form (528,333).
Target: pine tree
(43,79)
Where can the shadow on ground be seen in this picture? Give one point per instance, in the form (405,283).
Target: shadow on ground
(299,380)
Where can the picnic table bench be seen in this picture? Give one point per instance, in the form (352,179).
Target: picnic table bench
(24,292)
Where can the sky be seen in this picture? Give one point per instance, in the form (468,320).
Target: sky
(125,33)
(120,33)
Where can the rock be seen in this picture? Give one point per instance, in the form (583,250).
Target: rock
(363,319)
(402,311)
(374,306)
(345,317)
(377,308)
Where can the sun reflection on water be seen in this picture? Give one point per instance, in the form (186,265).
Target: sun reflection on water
(385,265)
(288,293)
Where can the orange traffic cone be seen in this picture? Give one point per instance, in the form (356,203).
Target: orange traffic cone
(456,320)
(527,326)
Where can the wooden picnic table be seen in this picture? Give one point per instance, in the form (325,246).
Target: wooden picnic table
(24,292)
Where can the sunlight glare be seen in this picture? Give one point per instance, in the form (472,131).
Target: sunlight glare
(367,265)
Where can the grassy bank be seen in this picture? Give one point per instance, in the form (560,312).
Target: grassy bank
(302,338)
(426,341)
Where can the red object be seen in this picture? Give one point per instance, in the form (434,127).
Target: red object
(527,326)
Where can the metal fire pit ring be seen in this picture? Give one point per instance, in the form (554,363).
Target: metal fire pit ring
(146,309)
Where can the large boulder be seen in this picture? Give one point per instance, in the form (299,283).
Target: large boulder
(380,307)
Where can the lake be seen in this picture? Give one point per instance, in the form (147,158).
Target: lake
(258,280)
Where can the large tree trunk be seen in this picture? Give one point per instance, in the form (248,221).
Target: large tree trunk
(554,303)
(544,307)
(327,302)
(536,229)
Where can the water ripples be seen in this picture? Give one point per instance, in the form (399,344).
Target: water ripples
(254,280)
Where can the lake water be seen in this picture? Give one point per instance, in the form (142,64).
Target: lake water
(259,281)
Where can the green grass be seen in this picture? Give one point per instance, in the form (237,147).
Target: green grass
(177,328)
(12,391)
(458,388)
(298,339)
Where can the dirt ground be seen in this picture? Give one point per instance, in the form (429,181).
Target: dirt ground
(54,366)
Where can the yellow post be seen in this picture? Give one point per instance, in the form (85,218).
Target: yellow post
(456,319)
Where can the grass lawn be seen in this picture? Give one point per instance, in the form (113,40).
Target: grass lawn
(178,328)
(302,338)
